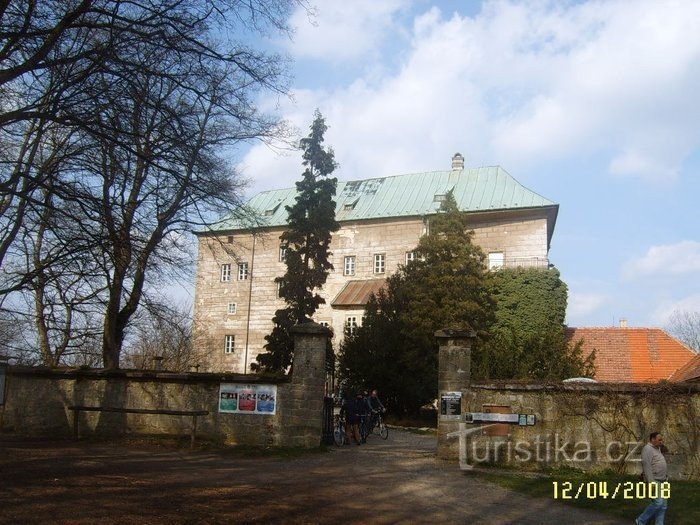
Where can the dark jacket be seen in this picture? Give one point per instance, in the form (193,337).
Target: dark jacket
(374,404)
(353,409)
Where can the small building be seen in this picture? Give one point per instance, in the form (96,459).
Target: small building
(633,355)
(688,373)
(381,220)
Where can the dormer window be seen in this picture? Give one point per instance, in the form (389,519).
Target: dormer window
(440,197)
(350,205)
(271,211)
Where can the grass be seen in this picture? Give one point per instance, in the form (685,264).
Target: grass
(683,508)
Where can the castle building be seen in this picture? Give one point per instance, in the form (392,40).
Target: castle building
(381,221)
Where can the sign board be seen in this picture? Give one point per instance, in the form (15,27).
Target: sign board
(488,417)
(451,406)
(235,398)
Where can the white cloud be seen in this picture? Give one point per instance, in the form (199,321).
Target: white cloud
(661,315)
(603,74)
(583,304)
(630,162)
(342,31)
(665,261)
(512,85)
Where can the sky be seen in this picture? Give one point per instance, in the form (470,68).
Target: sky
(593,104)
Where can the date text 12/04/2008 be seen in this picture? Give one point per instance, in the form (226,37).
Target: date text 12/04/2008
(603,490)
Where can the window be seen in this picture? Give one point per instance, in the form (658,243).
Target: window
(232,307)
(350,324)
(242,271)
(410,256)
(279,289)
(230,239)
(496,260)
(350,205)
(225,273)
(283,253)
(229,344)
(379,262)
(349,266)
(271,211)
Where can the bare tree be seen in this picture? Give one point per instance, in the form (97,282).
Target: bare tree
(113,119)
(76,36)
(163,333)
(685,326)
(10,337)
(51,51)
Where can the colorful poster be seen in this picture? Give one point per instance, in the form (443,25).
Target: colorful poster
(267,395)
(247,399)
(228,401)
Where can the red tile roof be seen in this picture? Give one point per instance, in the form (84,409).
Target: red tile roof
(689,372)
(636,355)
(356,293)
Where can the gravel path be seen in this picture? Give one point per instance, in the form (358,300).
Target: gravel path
(382,482)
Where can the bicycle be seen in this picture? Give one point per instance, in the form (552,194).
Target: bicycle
(379,427)
(339,431)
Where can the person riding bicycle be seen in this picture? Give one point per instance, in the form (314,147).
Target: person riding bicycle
(375,406)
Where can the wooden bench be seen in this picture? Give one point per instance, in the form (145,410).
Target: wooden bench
(194,413)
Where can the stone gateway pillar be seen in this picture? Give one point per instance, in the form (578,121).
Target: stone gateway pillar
(454,375)
(304,425)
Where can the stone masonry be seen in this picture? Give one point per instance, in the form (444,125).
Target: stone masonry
(37,401)
(589,426)
(225,307)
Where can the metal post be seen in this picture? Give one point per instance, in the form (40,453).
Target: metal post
(194,430)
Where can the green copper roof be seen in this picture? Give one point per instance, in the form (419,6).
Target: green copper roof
(475,190)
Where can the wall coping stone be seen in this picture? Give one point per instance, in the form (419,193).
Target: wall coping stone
(310,328)
(455,333)
(679,388)
(147,375)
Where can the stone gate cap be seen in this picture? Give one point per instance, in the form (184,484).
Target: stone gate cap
(310,328)
(455,333)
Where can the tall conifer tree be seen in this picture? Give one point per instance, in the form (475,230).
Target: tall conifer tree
(311,223)
(445,287)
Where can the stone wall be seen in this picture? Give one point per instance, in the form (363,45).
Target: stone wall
(589,426)
(37,401)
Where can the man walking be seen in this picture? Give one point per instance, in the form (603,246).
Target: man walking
(655,472)
(352,409)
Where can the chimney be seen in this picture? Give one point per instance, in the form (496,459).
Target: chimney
(457,161)
(623,322)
